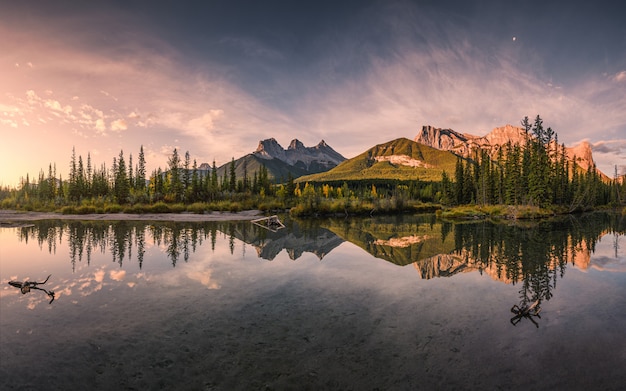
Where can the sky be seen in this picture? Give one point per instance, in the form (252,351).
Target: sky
(213,77)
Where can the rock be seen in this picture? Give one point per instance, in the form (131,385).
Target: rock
(465,145)
(321,155)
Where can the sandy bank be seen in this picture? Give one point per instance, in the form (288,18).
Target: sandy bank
(9,216)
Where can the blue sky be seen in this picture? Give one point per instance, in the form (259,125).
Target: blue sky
(216,77)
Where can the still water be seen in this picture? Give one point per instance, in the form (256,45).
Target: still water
(389,303)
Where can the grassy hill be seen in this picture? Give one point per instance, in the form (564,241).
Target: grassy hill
(395,240)
(400,159)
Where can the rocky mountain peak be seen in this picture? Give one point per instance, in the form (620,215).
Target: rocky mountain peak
(296,144)
(445,139)
(270,149)
(319,158)
(582,153)
(506,133)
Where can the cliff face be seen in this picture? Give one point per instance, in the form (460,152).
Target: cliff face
(466,144)
(582,154)
(463,144)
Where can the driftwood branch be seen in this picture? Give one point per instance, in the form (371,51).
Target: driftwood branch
(26,287)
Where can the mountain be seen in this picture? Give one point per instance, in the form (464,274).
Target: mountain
(464,144)
(297,160)
(295,240)
(312,159)
(401,159)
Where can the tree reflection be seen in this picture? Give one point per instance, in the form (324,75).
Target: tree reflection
(121,238)
(532,255)
(535,255)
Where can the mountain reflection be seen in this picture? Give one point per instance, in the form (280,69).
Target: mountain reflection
(127,239)
(531,254)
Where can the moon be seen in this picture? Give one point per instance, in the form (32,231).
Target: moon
(514,39)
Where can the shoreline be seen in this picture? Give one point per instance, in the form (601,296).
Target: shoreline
(9,216)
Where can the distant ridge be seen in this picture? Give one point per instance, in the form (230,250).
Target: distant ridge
(295,161)
(313,159)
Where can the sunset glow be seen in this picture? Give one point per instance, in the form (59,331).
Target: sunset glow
(215,78)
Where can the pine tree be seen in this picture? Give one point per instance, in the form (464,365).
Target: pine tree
(80,178)
(245,184)
(214,184)
(175,190)
(233,176)
(196,185)
(89,177)
(131,180)
(469,188)
(140,178)
(73,188)
(122,186)
(186,175)
(458,182)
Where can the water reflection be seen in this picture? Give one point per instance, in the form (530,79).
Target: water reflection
(532,255)
(510,252)
(228,319)
(127,239)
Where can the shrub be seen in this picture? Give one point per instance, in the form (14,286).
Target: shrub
(269,205)
(235,207)
(85,209)
(137,209)
(8,203)
(177,208)
(68,210)
(113,208)
(197,207)
(159,207)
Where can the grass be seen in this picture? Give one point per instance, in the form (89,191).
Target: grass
(496,211)
(365,167)
(358,207)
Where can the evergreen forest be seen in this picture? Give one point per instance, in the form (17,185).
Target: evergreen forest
(535,175)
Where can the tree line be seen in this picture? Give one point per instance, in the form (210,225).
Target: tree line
(182,181)
(537,173)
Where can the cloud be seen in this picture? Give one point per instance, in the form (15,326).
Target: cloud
(119,125)
(9,110)
(206,122)
(9,122)
(616,147)
(57,106)
(117,275)
(382,75)
(620,77)
(446,79)
(205,277)
(100,126)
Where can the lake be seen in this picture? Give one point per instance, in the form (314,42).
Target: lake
(383,303)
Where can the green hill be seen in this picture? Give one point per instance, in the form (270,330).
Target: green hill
(395,240)
(400,159)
